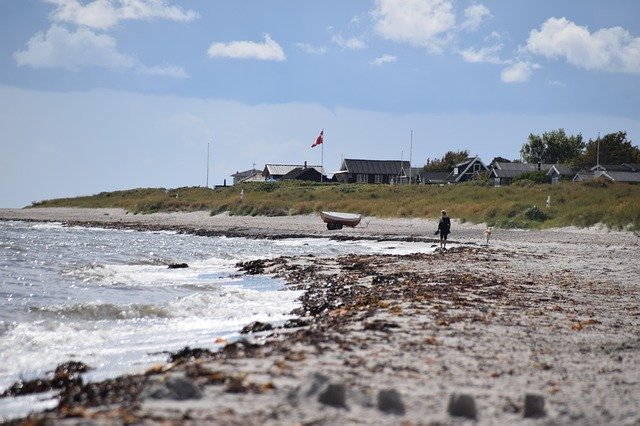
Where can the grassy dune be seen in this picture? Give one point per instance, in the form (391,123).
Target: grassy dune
(517,206)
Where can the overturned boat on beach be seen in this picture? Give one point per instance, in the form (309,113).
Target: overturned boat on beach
(336,220)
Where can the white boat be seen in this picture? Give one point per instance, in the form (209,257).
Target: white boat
(336,220)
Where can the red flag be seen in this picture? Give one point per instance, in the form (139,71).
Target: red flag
(320,139)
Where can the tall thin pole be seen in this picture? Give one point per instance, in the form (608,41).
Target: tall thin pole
(207,164)
(410,155)
(322,158)
(598,152)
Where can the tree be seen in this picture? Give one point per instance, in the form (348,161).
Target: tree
(614,149)
(447,162)
(552,147)
(499,160)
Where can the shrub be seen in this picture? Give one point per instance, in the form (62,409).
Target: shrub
(536,177)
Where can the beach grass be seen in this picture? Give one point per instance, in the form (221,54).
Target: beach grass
(521,205)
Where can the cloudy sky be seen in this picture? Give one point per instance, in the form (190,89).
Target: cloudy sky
(101,95)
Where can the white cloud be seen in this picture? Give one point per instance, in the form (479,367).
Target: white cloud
(267,51)
(308,48)
(105,14)
(609,49)
(172,71)
(353,43)
(473,17)
(518,72)
(83,48)
(490,54)
(424,23)
(61,48)
(384,59)
(557,83)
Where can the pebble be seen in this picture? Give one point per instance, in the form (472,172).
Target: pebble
(533,405)
(334,395)
(462,405)
(390,401)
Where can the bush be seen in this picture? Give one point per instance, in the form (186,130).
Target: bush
(535,177)
(535,214)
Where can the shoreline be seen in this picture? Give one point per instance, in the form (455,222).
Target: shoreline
(390,339)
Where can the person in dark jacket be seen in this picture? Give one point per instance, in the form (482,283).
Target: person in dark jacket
(444,229)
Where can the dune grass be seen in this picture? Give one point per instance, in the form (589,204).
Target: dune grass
(520,205)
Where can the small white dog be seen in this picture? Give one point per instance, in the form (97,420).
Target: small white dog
(487,234)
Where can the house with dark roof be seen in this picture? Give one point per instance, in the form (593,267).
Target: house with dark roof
(466,170)
(625,173)
(373,171)
(277,171)
(421,176)
(560,172)
(504,173)
(309,174)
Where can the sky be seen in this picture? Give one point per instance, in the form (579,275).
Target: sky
(104,95)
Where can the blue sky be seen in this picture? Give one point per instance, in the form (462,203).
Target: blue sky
(104,95)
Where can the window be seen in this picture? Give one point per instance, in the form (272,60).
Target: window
(477,167)
(363,178)
(378,179)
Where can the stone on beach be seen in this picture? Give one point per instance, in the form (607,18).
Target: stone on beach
(390,401)
(462,405)
(334,394)
(256,327)
(178,388)
(533,405)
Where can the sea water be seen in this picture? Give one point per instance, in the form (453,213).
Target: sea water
(107,298)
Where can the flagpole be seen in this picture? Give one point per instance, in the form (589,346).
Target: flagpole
(322,157)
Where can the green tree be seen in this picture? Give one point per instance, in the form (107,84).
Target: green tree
(552,147)
(447,162)
(614,149)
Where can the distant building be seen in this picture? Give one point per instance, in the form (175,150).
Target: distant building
(277,171)
(504,173)
(252,175)
(373,171)
(309,174)
(466,170)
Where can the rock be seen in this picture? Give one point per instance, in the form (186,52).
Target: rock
(178,265)
(178,388)
(295,323)
(256,327)
(534,406)
(462,405)
(390,401)
(310,387)
(334,395)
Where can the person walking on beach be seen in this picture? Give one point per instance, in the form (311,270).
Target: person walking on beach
(444,229)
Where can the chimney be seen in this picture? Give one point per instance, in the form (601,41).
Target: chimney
(305,164)
(539,166)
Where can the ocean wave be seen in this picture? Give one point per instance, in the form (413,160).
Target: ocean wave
(102,311)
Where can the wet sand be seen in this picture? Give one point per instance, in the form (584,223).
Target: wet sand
(535,327)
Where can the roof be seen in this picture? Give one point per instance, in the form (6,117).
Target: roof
(301,173)
(522,167)
(562,170)
(612,168)
(375,167)
(244,174)
(635,167)
(630,177)
(283,169)
(433,177)
(463,167)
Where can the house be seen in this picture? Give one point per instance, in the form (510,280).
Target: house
(424,177)
(466,170)
(277,171)
(559,172)
(625,173)
(309,174)
(373,171)
(251,175)
(504,173)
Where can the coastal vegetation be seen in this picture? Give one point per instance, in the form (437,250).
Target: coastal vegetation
(520,205)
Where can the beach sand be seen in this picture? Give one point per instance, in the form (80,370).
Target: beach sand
(537,327)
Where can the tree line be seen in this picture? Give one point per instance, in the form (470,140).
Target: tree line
(556,147)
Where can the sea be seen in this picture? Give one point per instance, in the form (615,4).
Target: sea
(107,297)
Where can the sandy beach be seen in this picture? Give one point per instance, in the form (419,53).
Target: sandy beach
(536,327)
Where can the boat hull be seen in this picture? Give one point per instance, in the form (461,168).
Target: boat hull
(336,220)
